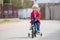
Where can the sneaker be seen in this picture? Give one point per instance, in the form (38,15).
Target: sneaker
(38,32)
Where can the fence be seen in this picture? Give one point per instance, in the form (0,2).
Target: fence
(8,11)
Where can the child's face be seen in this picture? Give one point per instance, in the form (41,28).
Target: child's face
(35,8)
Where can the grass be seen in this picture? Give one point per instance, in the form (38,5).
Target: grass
(5,20)
(8,20)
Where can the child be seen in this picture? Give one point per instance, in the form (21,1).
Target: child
(35,14)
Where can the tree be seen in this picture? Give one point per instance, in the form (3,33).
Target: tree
(25,4)
(19,4)
(14,2)
(6,1)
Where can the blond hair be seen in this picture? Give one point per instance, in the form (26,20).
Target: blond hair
(36,6)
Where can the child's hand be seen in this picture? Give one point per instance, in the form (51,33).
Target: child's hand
(34,19)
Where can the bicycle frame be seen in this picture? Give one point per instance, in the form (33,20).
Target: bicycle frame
(33,29)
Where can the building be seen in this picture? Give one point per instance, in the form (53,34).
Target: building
(53,11)
(50,9)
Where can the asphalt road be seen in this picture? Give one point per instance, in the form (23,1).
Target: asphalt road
(19,30)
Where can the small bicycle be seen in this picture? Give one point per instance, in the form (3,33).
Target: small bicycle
(33,32)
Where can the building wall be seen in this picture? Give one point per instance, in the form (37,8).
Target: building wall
(24,13)
(55,12)
(42,10)
(47,13)
(52,12)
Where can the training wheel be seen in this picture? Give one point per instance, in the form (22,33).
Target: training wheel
(28,34)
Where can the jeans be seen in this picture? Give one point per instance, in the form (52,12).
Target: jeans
(37,27)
